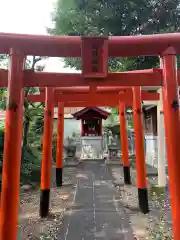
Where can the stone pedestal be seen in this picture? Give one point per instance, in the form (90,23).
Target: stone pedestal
(92,147)
(113,151)
(70,151)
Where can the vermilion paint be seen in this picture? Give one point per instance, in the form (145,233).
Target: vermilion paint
(47,141)
(60,136)
(12,149)
(172,131)
(139,139)
(123,134)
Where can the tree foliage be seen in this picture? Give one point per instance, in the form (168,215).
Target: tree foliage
(30,110)
(31,142)
(114,17)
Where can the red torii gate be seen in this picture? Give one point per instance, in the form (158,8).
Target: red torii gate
(100,96)
(94,72)
(124,98)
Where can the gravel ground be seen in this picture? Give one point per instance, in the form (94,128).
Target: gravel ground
(155,225)
(30,225)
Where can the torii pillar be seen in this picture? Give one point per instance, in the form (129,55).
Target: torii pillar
(140,152)
(161,143)
(172,132)
(47,153)
(124,143)
(59,145)
(12,149)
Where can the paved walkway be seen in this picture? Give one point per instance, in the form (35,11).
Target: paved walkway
(97,211)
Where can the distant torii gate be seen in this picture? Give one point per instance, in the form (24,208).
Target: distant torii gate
(94,52)
(125,98)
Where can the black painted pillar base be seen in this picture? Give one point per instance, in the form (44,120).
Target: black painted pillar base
(127,175)
(44,203)
(59,177)
(143,200)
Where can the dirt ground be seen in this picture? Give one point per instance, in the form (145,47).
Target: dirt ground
(30,225)
(155,225)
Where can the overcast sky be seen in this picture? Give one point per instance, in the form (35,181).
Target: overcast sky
(24,16)
(29,17)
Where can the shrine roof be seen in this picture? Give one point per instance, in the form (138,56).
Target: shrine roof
(80,114)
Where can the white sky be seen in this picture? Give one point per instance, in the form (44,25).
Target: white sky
(29,17)
(23,16)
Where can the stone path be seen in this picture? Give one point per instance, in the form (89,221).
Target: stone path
(97,211)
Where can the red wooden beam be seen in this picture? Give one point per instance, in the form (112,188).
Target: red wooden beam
(66,46)
(87,89)
(34,44)
(82,102)
(82,97)
(103,101)
(150,77)
(98,97)
(149,96)
(93,103)
(104,90)
(88,97)
(113,89)
(143,45)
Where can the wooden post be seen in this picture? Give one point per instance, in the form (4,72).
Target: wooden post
(47,154)
(140,153)
(12,149)
(172,131)
(100,127)
(161,137)
(124,143)
(82,127)
(161,143)
(59,146)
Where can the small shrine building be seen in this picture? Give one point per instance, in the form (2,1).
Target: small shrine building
(91,131)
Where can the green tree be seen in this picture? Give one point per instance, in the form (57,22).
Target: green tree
(31,141)
(30,109)
(114,17)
